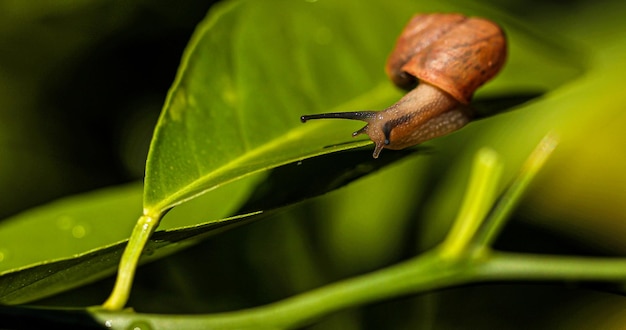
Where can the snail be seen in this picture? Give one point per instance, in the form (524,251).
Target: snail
(442,59)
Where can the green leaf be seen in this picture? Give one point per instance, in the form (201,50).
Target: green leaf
(47,278)
(77,224)
(68,226)
(80,239)
(234,107)
(238,97)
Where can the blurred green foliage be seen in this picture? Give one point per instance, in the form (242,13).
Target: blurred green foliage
(82,83)
(81,86)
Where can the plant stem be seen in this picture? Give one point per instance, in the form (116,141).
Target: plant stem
(503,266)
(506,204)
(478,199)
(425,273)
(144,228)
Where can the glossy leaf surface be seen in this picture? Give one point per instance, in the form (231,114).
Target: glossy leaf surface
(234,108)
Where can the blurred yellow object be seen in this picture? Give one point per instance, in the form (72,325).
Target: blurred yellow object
(582,190)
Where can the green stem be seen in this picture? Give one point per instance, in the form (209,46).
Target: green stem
(130,258)
(450,264)
(503,266)
(421,274)
(506,204)
(426,272)
(478,199)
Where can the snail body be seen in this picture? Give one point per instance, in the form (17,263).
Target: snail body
(441,59)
